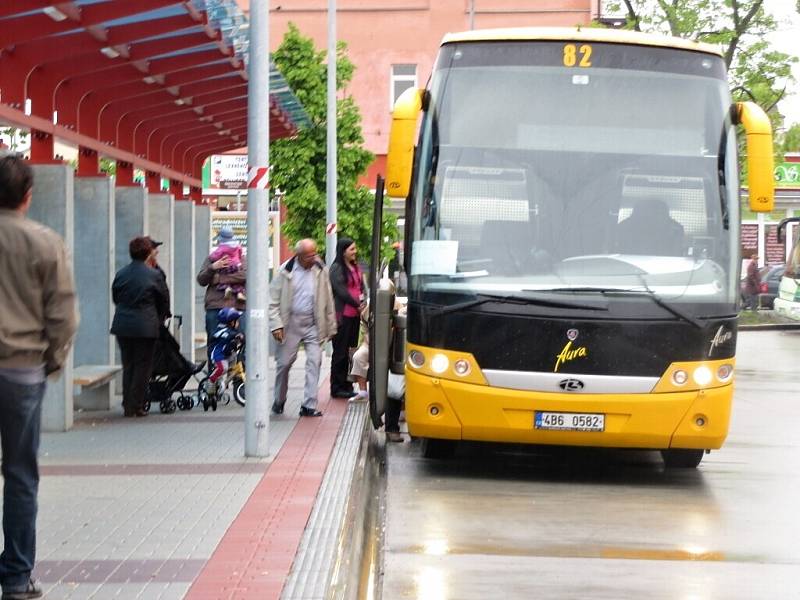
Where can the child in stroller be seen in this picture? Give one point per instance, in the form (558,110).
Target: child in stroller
(227,350)
(171,372)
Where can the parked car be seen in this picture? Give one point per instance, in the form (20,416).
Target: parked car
(770,280)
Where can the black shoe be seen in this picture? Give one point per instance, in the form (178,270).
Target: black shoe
(32,590)
(277,410)
(309,412)
(343,394)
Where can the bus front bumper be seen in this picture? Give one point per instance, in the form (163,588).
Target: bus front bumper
(445,409)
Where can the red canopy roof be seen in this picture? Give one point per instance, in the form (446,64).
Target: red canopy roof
(155,84)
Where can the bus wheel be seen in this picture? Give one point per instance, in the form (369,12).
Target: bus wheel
(438,448)
(682,459)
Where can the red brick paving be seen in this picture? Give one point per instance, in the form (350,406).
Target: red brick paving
(255,555)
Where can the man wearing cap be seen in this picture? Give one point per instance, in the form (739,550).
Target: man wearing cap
(214,275)
(152,260)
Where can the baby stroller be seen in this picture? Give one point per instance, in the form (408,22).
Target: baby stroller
(171,372)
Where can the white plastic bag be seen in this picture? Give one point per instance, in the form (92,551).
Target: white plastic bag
(396,387)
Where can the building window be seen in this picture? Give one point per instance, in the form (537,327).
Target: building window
(403,77)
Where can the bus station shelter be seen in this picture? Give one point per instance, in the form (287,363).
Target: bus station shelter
(156,86)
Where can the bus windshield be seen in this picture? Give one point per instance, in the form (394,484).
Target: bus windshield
(616,171)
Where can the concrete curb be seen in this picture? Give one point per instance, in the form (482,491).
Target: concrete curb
(339,533)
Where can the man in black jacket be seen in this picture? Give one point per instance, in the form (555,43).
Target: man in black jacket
(142,303)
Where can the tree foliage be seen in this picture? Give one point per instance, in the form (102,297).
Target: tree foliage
(16,137)
(299,163)
(789,140)
(756,71)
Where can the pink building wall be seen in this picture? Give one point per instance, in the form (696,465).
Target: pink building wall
(380,33)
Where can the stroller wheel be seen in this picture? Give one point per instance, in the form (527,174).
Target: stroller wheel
(213,404)
(170,405)
(238,391)
(185,402)
(205,405)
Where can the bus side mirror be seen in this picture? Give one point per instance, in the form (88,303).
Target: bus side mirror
(400,159)
(760,161)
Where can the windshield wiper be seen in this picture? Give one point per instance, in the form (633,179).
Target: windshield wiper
(646,292)
(514,299)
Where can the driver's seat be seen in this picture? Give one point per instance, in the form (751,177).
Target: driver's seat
(650,230)
(508,245)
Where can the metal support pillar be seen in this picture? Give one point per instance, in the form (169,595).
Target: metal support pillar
(153,182)
(256,420)
(124,174)
(330,230)
(196,195)
(88,162)
(42,148)
(176,189)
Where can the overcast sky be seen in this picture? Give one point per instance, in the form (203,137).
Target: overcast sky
(787,40)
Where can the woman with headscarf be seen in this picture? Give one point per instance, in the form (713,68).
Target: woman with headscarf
(347,283)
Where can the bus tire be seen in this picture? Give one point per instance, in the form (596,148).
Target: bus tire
(432,448)
(675,458)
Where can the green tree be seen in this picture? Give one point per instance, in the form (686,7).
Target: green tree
(108,166)
(789,140)
(298,164)
(16,136)
(756,71)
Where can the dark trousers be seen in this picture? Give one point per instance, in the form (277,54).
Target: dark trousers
(20,421)
(391,420)
(137,367)
(346,337)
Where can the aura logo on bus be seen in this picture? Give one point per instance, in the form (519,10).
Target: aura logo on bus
(720,338)
(570,352)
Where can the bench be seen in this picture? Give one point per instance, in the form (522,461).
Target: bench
(93,386)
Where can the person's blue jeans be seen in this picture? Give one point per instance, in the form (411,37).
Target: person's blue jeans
(20,422)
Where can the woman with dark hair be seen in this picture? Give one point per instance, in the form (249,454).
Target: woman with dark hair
(347,283)
(142,303)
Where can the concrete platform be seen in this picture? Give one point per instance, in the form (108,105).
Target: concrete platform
(167,507)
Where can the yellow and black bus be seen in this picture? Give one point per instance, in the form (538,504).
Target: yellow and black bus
(572,206)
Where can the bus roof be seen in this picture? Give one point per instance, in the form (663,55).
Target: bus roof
(580,34)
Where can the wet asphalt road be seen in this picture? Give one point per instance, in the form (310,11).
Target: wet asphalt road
(513,522)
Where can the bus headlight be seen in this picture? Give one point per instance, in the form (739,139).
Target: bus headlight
(724,372)
(680,377)
(439,363)
(416,358)
(461,367)
(702,375)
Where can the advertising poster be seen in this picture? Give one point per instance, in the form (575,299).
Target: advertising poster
(225,172)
